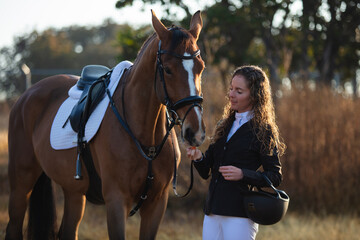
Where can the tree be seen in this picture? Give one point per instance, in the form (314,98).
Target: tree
(167,4)
(232,27)
(321,38)
(230,38)
(276,37)
(340,31)
(12,81)
(329,40)
(307,19)
(66,50)
(130,40)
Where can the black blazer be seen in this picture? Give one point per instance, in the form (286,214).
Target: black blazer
(242,151)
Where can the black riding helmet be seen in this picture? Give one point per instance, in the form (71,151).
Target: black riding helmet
(264,207)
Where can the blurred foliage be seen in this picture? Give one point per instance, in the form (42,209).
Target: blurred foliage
(130,41)
(317,42)
(57,51)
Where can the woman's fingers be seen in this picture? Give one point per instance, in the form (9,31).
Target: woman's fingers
(193,153)
(226,169)
(231,173)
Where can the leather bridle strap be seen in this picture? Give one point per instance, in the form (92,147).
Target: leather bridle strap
(186,101)
(174,182)
(160,69)
(152,153)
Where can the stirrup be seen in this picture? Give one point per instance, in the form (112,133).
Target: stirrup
(78,168)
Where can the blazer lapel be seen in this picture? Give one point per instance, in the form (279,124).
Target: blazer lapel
(241,129)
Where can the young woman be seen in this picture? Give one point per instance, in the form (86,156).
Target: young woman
(245,139)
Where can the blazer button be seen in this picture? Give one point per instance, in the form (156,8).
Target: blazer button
(225,148)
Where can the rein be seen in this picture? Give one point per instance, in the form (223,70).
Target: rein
(150,153)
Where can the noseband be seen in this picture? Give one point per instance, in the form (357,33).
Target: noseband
(194,101)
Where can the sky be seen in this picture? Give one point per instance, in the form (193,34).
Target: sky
(18,17)
(23,16)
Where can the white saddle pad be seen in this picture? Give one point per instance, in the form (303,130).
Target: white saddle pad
(65,137)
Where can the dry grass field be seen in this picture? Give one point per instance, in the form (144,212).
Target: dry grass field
(322,131)
(184,225)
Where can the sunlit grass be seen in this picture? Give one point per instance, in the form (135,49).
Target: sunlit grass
(3,141)
(3,147)
(312,227)
(182,224)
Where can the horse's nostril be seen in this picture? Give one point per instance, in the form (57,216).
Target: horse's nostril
(189,134)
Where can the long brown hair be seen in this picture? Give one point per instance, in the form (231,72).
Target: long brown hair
(263,120)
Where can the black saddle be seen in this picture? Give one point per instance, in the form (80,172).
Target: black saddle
(93,93)
(90,74)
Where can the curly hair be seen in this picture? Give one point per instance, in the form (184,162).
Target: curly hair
(263,121)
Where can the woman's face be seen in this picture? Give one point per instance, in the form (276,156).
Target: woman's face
(239,94)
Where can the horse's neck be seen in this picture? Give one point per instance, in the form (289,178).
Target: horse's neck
(144,112)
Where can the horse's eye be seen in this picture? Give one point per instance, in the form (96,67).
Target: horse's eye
(167,70)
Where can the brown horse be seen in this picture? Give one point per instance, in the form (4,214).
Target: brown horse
(166,76)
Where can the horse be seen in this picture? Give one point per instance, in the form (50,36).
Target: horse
(165,80)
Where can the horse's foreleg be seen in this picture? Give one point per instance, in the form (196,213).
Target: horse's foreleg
(152,213)
(73,212)
(116,216)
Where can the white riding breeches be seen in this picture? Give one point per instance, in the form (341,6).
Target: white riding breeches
(218,227)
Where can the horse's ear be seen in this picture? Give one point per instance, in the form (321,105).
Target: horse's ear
(196,24)
(160,29)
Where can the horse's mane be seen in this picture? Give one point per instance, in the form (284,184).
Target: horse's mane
(144,47)
(179,36)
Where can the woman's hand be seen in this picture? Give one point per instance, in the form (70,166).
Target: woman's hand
(231,173)
(193,153)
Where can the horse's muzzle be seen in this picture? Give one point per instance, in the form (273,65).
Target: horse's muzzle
(194,138)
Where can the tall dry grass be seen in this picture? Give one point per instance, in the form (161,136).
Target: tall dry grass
(4,186)
(321,166)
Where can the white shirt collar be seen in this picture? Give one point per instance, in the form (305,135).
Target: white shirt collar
(244,115)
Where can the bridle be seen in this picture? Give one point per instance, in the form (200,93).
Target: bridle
(194,101)
(150,153)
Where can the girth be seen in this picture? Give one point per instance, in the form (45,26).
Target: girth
(94,192)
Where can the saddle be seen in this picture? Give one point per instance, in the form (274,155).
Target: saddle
(93,91)
(93,82)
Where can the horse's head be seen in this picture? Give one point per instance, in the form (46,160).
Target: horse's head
(178,71)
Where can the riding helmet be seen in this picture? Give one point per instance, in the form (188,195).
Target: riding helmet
(264,207)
